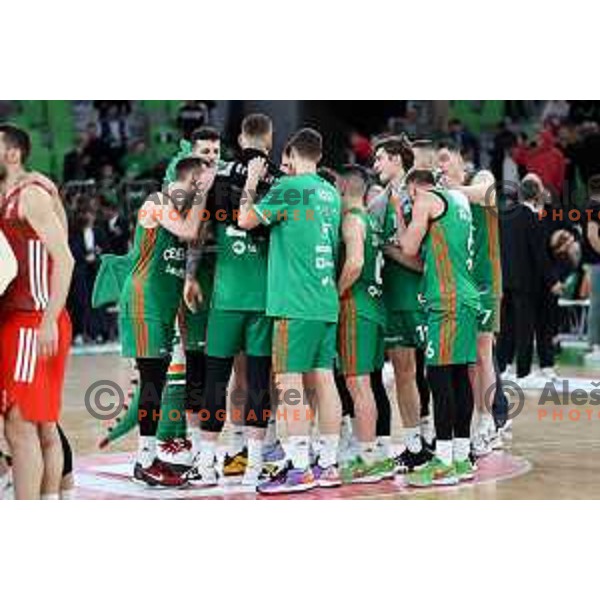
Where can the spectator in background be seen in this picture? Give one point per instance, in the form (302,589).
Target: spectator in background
(138,162)
(114,132)
(76,163)
(465,140)
(114,226)
(591,256)
(86,243)
(96,151)
(361,148)
(193,114)
(501,164)
(545,160)
(586,152)
(555,110)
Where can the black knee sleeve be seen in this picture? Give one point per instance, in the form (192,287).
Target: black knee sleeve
(153,377)
(422,385)
(463,393)
(258,406)
(444,409)
(214,407)
(67,452)
(195,374)
(384,411)
(345,397)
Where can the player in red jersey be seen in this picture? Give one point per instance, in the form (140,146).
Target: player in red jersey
(35,330)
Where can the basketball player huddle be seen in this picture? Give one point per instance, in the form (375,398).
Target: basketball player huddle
(290,285)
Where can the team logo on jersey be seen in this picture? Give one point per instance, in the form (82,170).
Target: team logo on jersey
(174,254)
(238,247)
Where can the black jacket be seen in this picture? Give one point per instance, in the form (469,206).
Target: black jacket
(526,265)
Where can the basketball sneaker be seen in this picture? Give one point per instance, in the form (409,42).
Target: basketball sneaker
(480,445)
(326,477)
(274,452)
(464,470)
(408,461)
(176,452)
(386,468)
(200,475)
(158,474)
(358,471)
(435,472)
(234,466)
(288,480)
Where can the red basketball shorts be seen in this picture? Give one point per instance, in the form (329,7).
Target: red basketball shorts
(31,382)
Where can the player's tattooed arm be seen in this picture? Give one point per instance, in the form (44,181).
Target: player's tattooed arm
(482,189)
(247,217)
(37,209)
(353,234)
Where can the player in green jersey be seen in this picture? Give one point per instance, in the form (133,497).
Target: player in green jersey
(402,278)
(441,230)
(304,214)
(151,297)
(236,319)
(488,279)
(362,324)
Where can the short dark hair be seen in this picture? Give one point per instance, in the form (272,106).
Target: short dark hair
(449,145)
(205,133)
(420,177)
(16,137)
(308,143)
(257,125)
(190,163)
(398,145)
(530,189)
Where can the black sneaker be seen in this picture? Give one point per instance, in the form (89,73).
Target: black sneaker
(408,461)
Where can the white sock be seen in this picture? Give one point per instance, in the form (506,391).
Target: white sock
(329,448)
(297,451)
(368,451)
(196,440)
(237,439)
(427,429)
(460,448)
(50,496)
(207,453)
(346,428)
(412,439)
(384,444)
(146,450)
(486,423)
(67,494)
(255,448)
(443,451)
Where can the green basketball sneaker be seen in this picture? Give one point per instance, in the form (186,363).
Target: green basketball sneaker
(386,467)
(464,470)
(358,471)
(435,472)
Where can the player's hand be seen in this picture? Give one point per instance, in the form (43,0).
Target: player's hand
(48,337)
(557,289)
(257,168)
(192,294)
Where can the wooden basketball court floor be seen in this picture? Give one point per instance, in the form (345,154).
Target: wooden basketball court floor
(549,458)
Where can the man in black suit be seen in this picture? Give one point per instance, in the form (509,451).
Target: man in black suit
(114,227)
(529,280)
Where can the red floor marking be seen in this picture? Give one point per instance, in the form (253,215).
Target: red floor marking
(106,477)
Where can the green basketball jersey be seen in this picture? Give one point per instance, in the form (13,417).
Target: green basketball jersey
(487,270)
(366,295)
(154,287)
(401,286)
(448,256)
(241,270)
(304,212)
